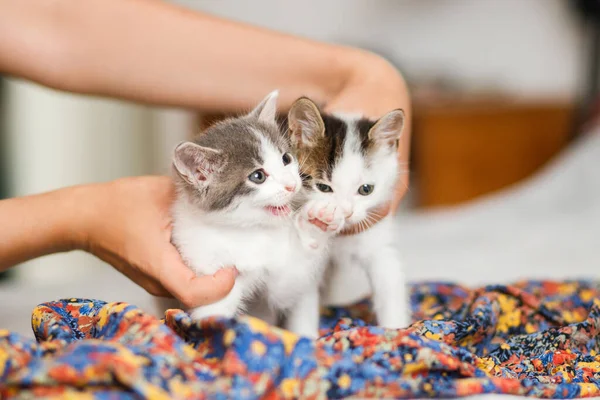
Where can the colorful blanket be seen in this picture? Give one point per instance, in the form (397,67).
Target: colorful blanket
(532,338)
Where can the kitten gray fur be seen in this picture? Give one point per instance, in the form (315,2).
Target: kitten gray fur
(240,149)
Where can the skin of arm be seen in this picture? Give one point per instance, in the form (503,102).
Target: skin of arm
(155,52)
(75,218)
(158,53)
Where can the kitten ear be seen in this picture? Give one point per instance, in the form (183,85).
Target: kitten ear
(388,129)
(195,164)
(305,123)
(267,108)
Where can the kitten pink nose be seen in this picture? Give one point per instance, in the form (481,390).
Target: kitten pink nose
(348,210)
(290,188)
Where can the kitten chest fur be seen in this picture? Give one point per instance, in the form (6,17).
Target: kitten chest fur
(221,245)
(266,257)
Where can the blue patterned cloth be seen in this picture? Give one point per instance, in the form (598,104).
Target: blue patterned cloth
(531,338)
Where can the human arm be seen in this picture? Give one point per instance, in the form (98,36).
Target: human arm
(107,220)
(155,52)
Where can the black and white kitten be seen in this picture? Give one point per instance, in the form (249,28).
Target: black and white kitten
(352,165)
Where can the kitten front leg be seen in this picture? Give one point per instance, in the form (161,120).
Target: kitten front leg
(226,307)
(317,222)
(303,317)
(260,308)
(390,297)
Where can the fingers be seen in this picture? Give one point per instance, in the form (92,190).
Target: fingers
(207,289)
(154,288)
(192,290)
(150,285)
(144,280)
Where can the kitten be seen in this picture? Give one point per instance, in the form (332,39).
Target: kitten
(353,167)
(239,203)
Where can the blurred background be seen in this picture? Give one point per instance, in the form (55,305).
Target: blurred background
(503,186)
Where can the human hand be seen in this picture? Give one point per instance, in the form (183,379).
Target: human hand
(375,88)
(127,224)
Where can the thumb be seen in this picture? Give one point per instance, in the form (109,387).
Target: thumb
(207,289)
(192,290)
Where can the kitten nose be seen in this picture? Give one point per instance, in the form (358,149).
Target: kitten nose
(291,187)
(347,209)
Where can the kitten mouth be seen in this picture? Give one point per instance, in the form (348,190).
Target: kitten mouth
(279,211)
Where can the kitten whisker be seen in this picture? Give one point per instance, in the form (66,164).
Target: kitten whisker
(364,226)
(369,221)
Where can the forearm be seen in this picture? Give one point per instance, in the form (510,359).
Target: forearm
(37,225)
(155,52)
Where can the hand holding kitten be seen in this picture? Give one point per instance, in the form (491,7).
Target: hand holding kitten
(127,223)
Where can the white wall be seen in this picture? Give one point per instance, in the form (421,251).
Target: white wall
(57,139)
(532,47)
(169,128)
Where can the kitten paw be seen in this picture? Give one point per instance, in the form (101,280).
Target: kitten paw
(306,232)
(317,222)
(326,216)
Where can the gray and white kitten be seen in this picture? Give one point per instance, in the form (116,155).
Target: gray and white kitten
(352,164)
(240,203)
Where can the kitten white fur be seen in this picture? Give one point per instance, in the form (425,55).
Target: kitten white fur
(276,256)
(271,260)
(366,263)
(373,250)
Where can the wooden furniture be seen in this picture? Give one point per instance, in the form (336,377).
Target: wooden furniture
(467,148)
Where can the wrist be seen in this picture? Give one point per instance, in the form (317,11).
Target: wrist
(39,225)
(321,74)
(343,62)
(372,87)
(81,205)
(67,223)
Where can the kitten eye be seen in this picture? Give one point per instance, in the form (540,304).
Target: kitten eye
(366,189)
(324,188)
(287,158)
(258,176)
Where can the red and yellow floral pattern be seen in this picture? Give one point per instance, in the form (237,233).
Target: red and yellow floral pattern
(538,339)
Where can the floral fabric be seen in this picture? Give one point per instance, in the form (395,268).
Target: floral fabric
(532,338)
